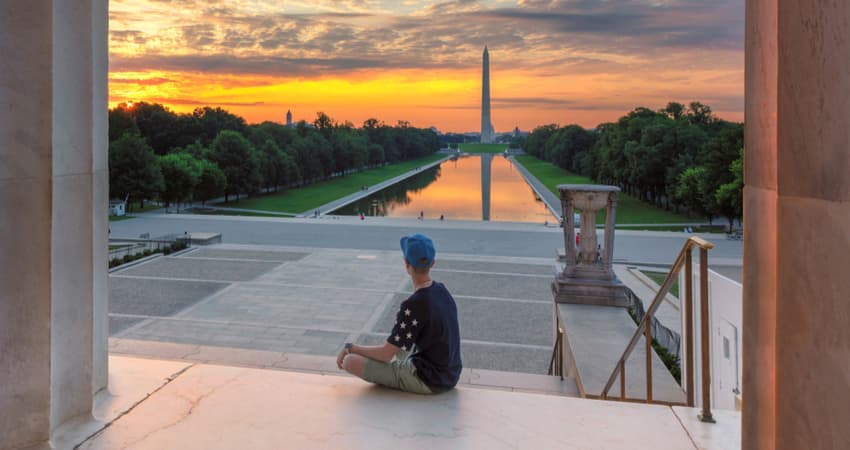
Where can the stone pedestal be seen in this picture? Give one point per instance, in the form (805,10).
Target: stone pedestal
(586,275)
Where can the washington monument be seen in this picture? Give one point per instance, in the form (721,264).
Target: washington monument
(486,125)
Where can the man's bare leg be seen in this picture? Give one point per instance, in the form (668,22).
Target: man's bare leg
(354,364)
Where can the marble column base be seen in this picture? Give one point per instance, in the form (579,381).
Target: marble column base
(589,291)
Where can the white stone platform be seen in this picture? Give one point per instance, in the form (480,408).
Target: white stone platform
(162,404)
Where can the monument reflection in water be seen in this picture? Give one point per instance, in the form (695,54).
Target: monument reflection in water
(453,189)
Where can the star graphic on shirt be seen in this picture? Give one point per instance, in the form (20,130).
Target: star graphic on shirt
(404,347)
(414,322)
(403,325)
(397,338)
(407,312)
(409,335)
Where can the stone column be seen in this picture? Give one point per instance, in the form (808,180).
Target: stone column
(760,239)
(796,217)
(71,265)
(100,194)
(610,215)
(567,208)
(25,222)
(53,226)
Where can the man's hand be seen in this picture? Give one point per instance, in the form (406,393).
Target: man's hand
(340,357)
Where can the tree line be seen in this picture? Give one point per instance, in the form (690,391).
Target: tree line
(210,152)
(679,158)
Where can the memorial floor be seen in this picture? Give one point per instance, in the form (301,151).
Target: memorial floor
(156,404)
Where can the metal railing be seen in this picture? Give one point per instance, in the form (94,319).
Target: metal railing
(556,364)
(683,260)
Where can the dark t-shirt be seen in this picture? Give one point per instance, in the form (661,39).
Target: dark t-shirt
(427,325)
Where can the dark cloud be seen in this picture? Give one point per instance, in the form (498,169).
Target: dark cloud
(129,36)
(142,81)
(199,36)
(545,36)
(534,102)
(259,65)
(189,102)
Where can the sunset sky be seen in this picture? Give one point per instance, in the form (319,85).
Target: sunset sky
(551,61)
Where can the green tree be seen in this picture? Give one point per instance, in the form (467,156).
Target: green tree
(180,172)
(212,121)
(133,169)
(324,124)
(535,143)
(273,164)
(307,158)
(211,182)
(689,191)
(158,125)
(729,196)
(674,110)
(281,135)
(237,158)
(121,121)
(376,154)
(717,156)
(699,114)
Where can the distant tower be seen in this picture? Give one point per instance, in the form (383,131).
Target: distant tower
(289,119)
(486,125)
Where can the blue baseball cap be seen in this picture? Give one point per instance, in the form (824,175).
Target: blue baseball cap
(418,250)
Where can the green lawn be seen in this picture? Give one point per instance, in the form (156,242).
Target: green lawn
(658,278)
(149,206)
(629,209)
(119,218)
(310,197)
(483,148)
(696,229)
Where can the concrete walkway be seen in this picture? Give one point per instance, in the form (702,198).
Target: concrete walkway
(256,211)
(551,200)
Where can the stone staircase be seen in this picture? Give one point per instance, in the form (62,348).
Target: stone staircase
(594,339)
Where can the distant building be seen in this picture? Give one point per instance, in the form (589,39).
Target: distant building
(516,132)
(289,119)
(117,207)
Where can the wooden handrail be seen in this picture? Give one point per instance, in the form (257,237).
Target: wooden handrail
(644,327)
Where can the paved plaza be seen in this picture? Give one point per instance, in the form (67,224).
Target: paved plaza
(283,287)
(303,300)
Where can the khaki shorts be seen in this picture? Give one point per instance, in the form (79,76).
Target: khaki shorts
(400,373)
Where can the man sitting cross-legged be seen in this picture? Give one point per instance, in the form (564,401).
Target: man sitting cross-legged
(422,353)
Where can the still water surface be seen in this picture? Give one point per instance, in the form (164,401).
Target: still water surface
(453,189)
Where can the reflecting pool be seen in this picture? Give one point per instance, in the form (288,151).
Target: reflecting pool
(454,189)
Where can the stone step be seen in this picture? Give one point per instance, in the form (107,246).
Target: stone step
(326,365)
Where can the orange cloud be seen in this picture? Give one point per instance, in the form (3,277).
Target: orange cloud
(551,62)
